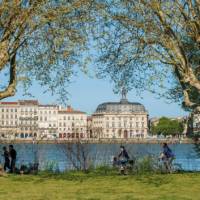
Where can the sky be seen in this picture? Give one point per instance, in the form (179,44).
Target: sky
(86,94)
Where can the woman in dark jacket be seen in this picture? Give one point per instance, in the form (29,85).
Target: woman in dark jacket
(6,158)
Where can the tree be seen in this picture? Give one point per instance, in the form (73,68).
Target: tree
(148,44)
(40,40)
(167,126)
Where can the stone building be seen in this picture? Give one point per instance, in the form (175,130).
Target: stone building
(122,119)
(48,121)
(72,123)
(27,119)
(9,119)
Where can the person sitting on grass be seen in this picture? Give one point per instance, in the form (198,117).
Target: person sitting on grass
(167,156)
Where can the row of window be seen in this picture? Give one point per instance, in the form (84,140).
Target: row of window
(28,128)
(8,116)
(120,133)
(8,110)
(71,118)
(65,129)
(137,124)
(126,118)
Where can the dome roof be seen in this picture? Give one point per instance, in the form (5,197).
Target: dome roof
(124,106)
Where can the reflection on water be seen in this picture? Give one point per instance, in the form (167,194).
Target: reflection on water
(188,155)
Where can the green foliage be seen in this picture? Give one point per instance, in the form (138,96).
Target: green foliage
(45,40)
(167,126)
(51,166)
(154,46)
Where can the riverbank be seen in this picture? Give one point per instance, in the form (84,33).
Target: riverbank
(80,186)
(99,141)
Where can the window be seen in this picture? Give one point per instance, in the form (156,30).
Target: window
(142,124)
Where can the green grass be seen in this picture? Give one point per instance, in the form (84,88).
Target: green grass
(91,186)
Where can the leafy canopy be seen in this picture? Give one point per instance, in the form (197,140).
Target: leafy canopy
(152,44)
(167,126)
(43,41)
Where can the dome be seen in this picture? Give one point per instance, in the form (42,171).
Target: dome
(123,106)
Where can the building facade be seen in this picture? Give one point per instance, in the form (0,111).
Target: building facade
(9,119)
(27,119)
(194,124)
(122,119)
(72,124)
(48,121)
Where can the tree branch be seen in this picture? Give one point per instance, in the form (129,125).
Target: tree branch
(11,88)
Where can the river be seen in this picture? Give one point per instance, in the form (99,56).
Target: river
(56,156)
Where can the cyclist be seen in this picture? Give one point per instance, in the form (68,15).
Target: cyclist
(167,157)
(123,158)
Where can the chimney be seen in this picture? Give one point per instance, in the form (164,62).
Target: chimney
(69,108)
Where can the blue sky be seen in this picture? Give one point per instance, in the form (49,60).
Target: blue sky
(86,93)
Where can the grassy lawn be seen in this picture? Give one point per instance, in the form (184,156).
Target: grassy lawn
(83,186)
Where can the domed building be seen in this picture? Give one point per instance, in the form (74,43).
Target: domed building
(121,119)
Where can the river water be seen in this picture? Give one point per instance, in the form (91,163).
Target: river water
(57,155)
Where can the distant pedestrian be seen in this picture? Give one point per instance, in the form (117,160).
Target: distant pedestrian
(6,159)
(13,156)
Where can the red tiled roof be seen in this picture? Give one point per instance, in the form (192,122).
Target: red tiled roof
(28,102)
(9,103)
